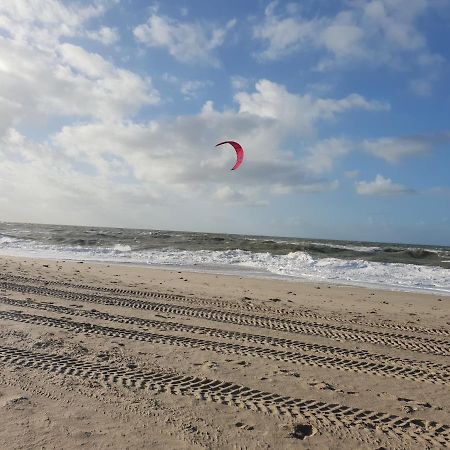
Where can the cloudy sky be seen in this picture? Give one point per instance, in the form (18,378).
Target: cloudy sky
(110,110)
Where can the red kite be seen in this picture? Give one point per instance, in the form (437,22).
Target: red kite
(239,152)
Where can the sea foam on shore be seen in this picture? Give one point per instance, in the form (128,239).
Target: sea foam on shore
(353,267)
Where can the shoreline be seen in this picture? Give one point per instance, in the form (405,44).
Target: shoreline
(235,286)
(246,272)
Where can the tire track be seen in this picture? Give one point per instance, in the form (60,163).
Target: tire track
(432,370)
(234,305)
(232,394)
(373,368)
(405,342)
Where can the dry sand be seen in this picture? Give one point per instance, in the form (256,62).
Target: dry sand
(106,356)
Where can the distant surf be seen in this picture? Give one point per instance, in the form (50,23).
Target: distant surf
(391,266)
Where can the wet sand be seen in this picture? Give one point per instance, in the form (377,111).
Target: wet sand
(109,356)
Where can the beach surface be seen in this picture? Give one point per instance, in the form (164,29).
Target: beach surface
(115,356)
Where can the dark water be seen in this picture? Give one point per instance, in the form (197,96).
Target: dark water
(139,240)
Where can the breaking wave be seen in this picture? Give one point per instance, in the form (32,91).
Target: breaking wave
(299,265)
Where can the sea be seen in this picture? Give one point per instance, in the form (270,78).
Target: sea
(404,267)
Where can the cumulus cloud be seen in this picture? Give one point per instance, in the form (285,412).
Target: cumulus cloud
(187,42)
(283,36)
(381,186)
(376,32)
(68,81)
(173,161)
(45,82)
(42,23)
(99,162)
(42,76)
(42,182)
(177,154)
(300,112)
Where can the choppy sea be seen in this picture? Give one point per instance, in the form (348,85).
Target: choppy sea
(383,265)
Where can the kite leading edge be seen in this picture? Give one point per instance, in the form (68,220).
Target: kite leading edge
(239,152)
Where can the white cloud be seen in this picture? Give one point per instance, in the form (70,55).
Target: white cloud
(393,150)
(273,101)
(192,88)
(41,182)
(284,36)
(342,37)
(41,76)
(41,23)
(381,186)
(88,64)
(322,156)
(188,88)
(375,32)
(105,35)
(67,81)
(172,161)
(178,155)
(186,42)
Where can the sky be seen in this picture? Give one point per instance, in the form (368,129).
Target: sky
(110,111)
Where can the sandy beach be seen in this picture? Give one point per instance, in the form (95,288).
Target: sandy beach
(224,225)
(110,356)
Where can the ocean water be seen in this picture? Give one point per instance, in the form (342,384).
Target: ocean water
(382,265)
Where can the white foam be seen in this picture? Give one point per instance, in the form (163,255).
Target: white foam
(354,248)
(122,248)
(297,265)
(6,240)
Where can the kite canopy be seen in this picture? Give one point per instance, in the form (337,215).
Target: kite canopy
(239,152)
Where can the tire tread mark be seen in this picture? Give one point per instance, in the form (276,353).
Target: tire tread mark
(234,305)
(289,344)
(431,432)
(422,345)
(379,368)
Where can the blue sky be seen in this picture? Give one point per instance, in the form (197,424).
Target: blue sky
(110,110)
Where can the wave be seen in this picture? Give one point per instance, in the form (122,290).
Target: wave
(146,240)
(353,248)
(122,248)
(7,240)
(299,265)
